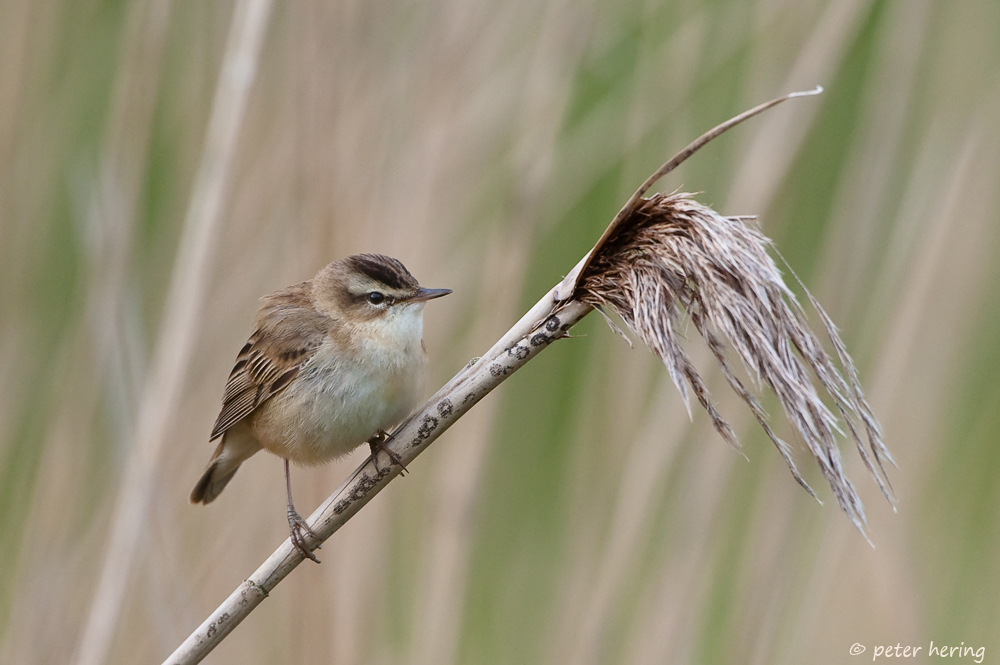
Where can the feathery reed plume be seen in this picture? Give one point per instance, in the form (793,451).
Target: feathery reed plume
(671,255)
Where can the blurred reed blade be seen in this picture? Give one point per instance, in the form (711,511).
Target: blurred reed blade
(164,384)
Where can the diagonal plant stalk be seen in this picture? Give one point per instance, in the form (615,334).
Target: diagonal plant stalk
(662,257)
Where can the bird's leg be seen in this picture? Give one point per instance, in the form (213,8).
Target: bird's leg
(297,527)
(377,443)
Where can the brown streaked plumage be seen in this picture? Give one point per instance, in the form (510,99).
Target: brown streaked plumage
(331,364)
(274,353)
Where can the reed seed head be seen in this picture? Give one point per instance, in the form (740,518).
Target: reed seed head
(672,257)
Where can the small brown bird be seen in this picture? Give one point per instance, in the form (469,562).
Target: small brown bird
(332,363)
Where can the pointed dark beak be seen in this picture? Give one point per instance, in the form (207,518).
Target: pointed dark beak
(428,294)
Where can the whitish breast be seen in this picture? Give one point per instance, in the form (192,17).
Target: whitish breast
(339,400)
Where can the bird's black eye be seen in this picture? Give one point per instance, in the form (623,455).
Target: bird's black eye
(376,298)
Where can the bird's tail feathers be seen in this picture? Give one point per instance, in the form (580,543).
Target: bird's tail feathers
(230,453)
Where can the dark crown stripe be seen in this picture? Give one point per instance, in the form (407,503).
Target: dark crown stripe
(384,269)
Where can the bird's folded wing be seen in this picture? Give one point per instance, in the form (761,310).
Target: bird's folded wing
(285,339)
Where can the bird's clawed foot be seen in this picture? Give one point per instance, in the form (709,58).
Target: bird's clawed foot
(377,443)
(298,530)
(297,527)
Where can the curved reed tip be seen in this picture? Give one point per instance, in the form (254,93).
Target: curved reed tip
(807,93)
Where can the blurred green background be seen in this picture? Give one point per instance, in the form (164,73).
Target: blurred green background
(576,515)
